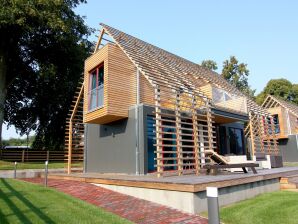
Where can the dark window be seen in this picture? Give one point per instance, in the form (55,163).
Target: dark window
(151,143)
(236,141)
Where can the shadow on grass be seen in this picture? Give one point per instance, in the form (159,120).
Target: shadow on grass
(26,202)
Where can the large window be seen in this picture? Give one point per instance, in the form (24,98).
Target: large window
(236,141)
(276,124)
(96,83)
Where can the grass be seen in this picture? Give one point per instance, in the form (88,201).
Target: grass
(272,208)
(4,165)
(22,202)
(290,164)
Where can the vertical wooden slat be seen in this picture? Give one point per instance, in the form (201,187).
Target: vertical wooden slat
(267,133)
(178,134)
(260,127)
(274,136)
(195,135)
(159,162)
(252,136)
(23,156)
(209,124)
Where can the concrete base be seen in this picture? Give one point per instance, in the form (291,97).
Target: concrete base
(32,173)
(197,202)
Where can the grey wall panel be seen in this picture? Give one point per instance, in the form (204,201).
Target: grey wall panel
(111,147)
(289,148)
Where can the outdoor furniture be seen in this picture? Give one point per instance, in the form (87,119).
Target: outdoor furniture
(216,167)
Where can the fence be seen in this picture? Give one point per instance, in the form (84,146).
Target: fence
(36,156)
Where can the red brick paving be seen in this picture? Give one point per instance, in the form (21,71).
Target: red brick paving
(128,207)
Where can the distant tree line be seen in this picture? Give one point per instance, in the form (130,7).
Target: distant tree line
(19,141)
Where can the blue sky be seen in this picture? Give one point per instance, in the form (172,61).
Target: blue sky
(263,34)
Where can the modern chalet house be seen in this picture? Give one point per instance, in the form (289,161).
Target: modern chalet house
(147,110)
(285,116)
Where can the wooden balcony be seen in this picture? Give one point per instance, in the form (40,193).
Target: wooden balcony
(224,100)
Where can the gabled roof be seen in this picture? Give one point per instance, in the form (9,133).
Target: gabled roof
(273,101)
(161,67)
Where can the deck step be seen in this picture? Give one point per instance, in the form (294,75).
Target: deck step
(289,182)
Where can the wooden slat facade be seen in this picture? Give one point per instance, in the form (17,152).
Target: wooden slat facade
(181,93)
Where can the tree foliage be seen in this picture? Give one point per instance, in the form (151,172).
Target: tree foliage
(234,72)
(42,48)
(209,64)
(282,88)
(19,141)
(237,74)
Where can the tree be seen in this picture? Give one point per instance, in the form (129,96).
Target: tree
(282,88)
(237,74)
(209,64)
(42,48)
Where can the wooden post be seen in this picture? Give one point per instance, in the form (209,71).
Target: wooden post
(195,135)
(23,156)
(158,127)
(266,129)
(178,134)
(252,137)
(70,131)
(69,148)
(209,124)
(260,126)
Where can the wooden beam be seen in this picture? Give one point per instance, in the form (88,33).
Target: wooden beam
(252,137)
(99,40)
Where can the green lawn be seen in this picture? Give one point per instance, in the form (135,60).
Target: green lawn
(4,165)
(22,202)
(271,208)
(290,164)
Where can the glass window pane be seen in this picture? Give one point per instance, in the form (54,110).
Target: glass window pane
(93,80)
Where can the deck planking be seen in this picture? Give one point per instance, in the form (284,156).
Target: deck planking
(185,183)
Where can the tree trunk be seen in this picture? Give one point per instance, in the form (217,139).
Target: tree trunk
(3,91)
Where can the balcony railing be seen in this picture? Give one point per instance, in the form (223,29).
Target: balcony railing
(222,99)
(95,97)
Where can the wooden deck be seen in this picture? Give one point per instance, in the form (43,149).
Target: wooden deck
(185,183)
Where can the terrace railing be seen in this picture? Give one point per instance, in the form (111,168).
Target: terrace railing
(96,97)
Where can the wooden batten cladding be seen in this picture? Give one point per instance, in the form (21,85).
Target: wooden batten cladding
(187,116)
(287,115)
(119,85)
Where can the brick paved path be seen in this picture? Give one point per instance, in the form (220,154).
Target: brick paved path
(128,207)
